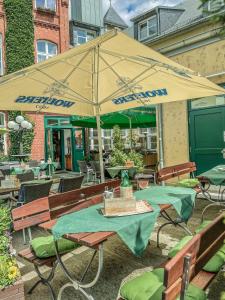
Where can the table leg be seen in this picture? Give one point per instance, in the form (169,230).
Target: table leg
(219,202)
(75,283)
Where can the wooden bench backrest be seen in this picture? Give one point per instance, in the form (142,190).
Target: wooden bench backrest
(212,238)
(175,171)
(174,269)
(62,203)
(30,214)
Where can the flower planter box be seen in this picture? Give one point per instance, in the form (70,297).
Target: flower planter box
(13,292)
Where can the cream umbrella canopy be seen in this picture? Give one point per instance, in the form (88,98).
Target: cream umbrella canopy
(110,73)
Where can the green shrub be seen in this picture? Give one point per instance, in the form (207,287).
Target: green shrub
(137,158)
(9,271)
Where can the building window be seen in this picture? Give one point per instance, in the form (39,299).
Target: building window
(213,6)
(1,55)
(45,50)
(82,36)
(46,4)
(3,141)
(148,28)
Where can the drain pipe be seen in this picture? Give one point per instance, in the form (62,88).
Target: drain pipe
(160,135)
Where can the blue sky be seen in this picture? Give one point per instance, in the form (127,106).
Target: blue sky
(129,8)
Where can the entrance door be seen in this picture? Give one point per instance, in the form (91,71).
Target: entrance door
(207,137)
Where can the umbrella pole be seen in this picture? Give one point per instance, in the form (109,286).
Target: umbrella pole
(98,121)
(160,135)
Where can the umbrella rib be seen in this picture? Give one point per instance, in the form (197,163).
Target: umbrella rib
(196,83)
(143,61)
(132,80)
(64,85)
(69,98)
(124,82)
(76,66)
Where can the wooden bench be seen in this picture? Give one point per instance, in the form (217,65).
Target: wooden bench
(187,265)
(175,172)
(48,208)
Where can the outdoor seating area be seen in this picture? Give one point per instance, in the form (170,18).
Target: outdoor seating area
(42,216)
(112,172)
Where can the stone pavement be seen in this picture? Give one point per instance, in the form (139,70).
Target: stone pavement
(119,263)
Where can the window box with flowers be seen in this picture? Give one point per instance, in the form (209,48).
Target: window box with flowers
(11,285)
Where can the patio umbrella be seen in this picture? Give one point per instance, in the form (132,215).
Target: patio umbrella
(110,73)
(142,117)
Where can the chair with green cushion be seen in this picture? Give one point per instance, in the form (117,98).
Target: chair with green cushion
(215,263)
(42,250)
(162,282)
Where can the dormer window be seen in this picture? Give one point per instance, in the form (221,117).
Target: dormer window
(148,28)
(214,6)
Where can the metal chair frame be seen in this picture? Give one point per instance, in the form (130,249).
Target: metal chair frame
(85,170)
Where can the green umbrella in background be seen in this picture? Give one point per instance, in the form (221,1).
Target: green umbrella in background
(141,117)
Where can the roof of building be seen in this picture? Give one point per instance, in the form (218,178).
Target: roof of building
(112,18)
(192,12)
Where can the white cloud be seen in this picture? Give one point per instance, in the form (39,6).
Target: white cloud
(130,8)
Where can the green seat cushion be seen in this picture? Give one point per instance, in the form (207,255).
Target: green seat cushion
(188,183)
(149,286)
(179,246)
(44,247)
(195,293)
(216,262)
(202,226)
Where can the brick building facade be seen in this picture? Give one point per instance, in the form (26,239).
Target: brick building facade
(51,36)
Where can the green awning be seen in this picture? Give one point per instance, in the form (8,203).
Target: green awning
(142,117)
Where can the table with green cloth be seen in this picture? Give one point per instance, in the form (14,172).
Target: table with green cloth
(134,230)
(90,228)
(20,170)
(115,171)
(49,167)
(214,176)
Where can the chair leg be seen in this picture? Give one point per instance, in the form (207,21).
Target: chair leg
(24,236)
(29,233)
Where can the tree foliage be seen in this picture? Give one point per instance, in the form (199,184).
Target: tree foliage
(19,40)
(218,13)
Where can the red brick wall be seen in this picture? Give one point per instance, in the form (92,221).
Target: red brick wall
(14,292)
(37,151)
(54,28)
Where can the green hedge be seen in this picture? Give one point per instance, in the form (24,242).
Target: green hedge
(19,41)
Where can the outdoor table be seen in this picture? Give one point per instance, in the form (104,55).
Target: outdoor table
(20,170)
(115,171)
(81,227)
(214,176)
(49,167)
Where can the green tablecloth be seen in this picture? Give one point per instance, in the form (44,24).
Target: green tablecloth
(49,167)
(19,170)
(215,175)
(182,199)
(115,171)
(134,230)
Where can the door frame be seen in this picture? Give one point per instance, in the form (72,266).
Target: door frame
(201,109)
(61,127)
